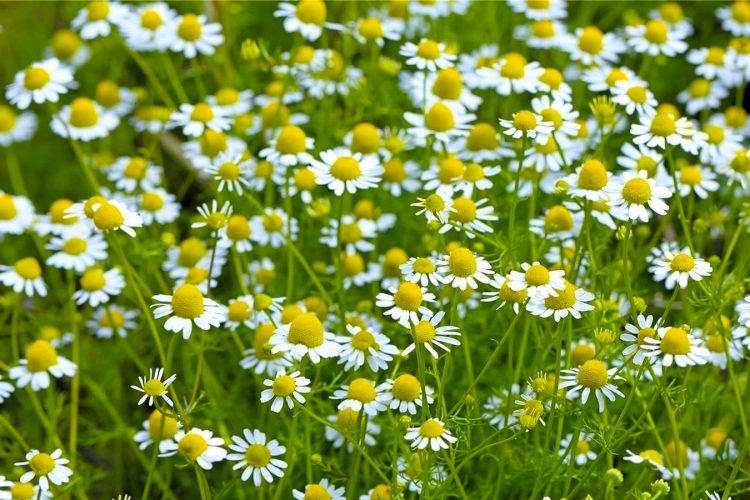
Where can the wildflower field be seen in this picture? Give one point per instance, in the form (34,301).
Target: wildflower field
(372,250)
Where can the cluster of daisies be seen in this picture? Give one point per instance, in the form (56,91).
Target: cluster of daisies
(350,265)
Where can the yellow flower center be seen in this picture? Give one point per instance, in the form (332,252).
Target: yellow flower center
(543,29)
(150,19)
(593,374)
(524,120)
(202,112)
(514,66)
(83,113)
(93,279)
(56,211)
(260,342)
(229,171)
(675,341)
(8,209)
(365,138)
(593,175)
(486,61)
(652,455)
(538,4)
(715,56)
(408,296)
(656,32)
(552,78)
(362,390)
(152,202)
(28,268)
(363,341)
(741,162)
(591,40)
(98,11)
(354,264)
(510,295)
(112,318)
(465,210)
(637,191)
(691,175)
(258,455)
(582,447)
(448,84)
(616,75)
(431,429)
(187,301)
(537,275)
(346,168)
(462,262)
(192,250)
(715,437)
(428,49)
(394,171)
(291,140)
(406,388)
(154,387)
(715,343)
(40,356)
(663,125)
(238,228)
(424,332)
(423,265)
(306,329)
(637,94)
(65,44)
(741,12)
(449,169)
(264,169)
(274,114)
(273,223)
(439,118)
(558,219)
(645,333)
(213,142)
(227,96)
(370,28)
(565,298)
(107,93)
(553,116)
(161,426)
(238,310)
(284,385)
(482,136)
(311,12)
(582,353)
(42,464)
(7,118)
(474,172)
(682,263)
(715,134)
(108,217)
(434,203)
(671,12)
(394,257)
(190,28)
(192,446)
(136,168)
(699,88)
(316,492)
(35,77)
(304,179)
(74,246)
(381,492)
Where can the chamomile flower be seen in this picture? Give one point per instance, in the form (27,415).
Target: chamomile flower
(581,453)
(720,146)
(404,302)
(191,35)
(592,47)
(68,47)
(153,387)
(41,82)
(111,319)
(538,281)
(143,26)
(414,472)
(635,97)
(560,114)
(6,390)
(542,34)
(591,377)
(462,268)
(696,179)
(365,345)
(552,9)
(661,129)
(400,176)
(374,29)
(305,336)
(232,102)
(323,490)
(15,127)
(497,408)
(442,121)
(512,74)
(308,18)
(158,206)
(675,345)
(99,286)
(185,307)
(527,124)
(429,335)
(110,215)
(656,37)
(195,119)
(702,94)
(589,181)
(341,170)
(470,217)
(255,455)
(198,446)
(158,427)
(231,172)
(437,206)
(570,301)
(600,79)
(16,214)
(718,347)
(422,270)
(131,173)
(427,55)
(638,194)
(677,268)
(83,120)
(635,335)
(46,468)
(260,358)
(289,148)
(285,388)
(114,99)
(432,433)
(404,394)
(40,362)
(96,19)
(76,252)
(712,62)
(718,445)
(735,18)
(213,216)
(650,456)
(505,294)
(361,395)
(25,276)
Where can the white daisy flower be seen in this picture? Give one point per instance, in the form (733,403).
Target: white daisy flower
(41,361)
(429,335)
(83,120)
(637,192)
(636,334)
(656,37)
(463,268)
(143,26)
(702,94)
(361,395)
(231,172)
(528,124)
(255,455)
(375,29)
(498,408)
(76,252)
(696,179)
(591,376)
(712,62)
(16,214)
(341,170)
(260,358)
(96,19)
(538,281)
(542,34)
(15,127)
(720,146)
(131,173)
(404,394)
(432,433)
(605,78)
(153,387)
(98,286)
(187,306)
(195,119)
(635,97)
(427,55)
(111,215)
(364,345)
(678,268)
(158,206)
(232,102)
(571,301)
(422,270)
(437,206)
(442,121)
(324,489)
(560,114)
(305,336)
(404,302)
(308,17)
(735,18)
(114,99)
(675,345)
(41,82)
(289,148)
(111,319)
(504,293)
(158,427)
(661,129)
(191,35)
(582,452)
(285,388)
(25,276)
(197,445)
(592,47)
(512,74)
(552,9)
(48,468)
(589,181)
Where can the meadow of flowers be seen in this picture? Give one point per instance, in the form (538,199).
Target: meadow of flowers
(374,250)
